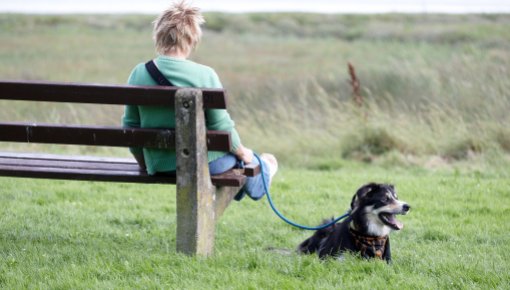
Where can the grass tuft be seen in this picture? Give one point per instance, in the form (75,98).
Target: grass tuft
(464,149)
(370,142)
(503,139)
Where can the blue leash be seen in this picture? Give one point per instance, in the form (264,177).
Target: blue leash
(280,215)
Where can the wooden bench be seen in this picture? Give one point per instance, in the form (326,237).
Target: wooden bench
(201,198)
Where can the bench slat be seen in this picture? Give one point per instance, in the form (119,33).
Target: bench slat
(82,174)
(232,177)
(103,94)
(93,168)
(103,136)
(43,156)
(71,164)
(251,169)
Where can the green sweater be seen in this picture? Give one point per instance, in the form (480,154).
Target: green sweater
(181,73)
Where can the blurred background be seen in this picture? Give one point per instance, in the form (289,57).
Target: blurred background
(434,75)
(321,6)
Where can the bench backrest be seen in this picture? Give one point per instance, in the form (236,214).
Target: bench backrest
(102,135)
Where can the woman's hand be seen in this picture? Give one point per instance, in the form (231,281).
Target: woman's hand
(244,154)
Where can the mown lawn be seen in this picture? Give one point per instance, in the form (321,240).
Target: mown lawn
(81,235)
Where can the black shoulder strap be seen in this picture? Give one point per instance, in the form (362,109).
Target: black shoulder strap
(158,77)
(156,74)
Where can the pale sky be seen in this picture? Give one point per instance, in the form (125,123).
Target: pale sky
(324,6)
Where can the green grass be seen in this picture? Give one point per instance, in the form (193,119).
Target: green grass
(81,235)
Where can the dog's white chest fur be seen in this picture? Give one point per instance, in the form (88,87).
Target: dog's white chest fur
(378,230)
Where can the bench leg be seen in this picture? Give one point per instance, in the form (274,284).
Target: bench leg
(224,195)
(195,219)
(195,192)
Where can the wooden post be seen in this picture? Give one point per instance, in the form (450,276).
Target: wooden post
(195,192)
(224,195)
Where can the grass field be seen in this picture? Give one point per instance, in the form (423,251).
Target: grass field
(434,122)
(80,235)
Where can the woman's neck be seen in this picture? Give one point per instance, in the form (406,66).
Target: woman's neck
(177,53)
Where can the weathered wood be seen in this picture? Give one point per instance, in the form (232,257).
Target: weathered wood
(233,177)
(43,156)
(96,169)
(195,193)
(102,136)
(223,197)
(251,169)
(102,94)
(68,164)
(51,166)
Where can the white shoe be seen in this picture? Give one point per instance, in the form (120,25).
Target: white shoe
(271,163)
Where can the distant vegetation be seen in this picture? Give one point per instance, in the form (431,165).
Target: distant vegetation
(435,87)
(430,28)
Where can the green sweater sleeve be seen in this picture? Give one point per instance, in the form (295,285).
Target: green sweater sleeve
(218,119)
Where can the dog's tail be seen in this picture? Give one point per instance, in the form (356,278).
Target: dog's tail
(313,243)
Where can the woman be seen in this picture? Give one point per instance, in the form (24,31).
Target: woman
(176,34)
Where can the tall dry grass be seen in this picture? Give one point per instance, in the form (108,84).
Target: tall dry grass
(435,87)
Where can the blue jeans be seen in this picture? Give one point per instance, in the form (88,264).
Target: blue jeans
(254,186)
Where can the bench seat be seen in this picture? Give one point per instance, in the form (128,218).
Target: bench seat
(51,166)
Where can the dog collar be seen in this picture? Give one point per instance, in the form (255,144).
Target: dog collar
(369,246)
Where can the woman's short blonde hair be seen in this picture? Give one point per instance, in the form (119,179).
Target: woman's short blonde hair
(178,28)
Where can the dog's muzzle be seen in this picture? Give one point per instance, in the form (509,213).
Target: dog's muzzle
(390,220)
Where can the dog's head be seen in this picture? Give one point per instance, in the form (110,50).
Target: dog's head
(374,207)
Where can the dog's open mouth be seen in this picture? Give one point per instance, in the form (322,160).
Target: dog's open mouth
(390,220)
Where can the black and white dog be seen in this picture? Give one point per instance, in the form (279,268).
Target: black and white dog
(366,230)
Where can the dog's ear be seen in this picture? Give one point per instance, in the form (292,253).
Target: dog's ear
(365,190)
(354,202)
(393,190)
